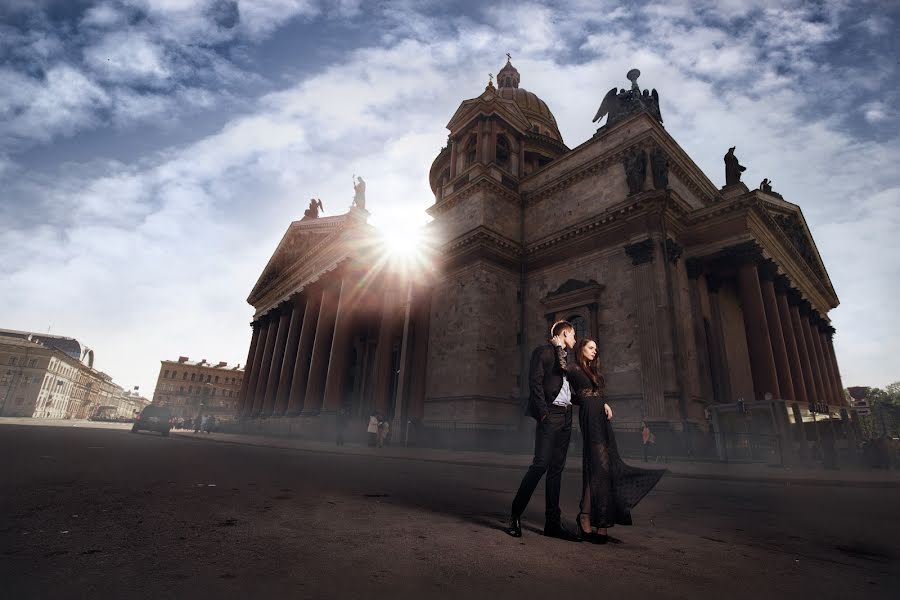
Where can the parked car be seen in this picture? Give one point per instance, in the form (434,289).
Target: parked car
(154,418)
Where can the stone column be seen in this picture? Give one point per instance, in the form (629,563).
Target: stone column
(793,350)
(283,393)
(762,361)
(454,151)
(321,350)
(340,346)
(253,374)
(384,350)
(776,331)
(800,336)
(721,379)
(820,395)
(300,377)
(705,370)
(479,142)
(644,288)
(813,319)
(284,322)
(833,396)
(837,372)
(245,381)
(836,396)
(265,365)
(419,375)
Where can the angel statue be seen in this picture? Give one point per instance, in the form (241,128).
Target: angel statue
(359,192)
(619,104)
(315,205)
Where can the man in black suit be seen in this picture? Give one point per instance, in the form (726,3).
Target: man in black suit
(550,404)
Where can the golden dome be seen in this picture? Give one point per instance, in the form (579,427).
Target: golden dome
(534,108)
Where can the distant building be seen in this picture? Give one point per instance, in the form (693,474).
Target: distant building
(190,387)
(51,377)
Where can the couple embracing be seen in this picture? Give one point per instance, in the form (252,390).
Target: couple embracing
(563,373)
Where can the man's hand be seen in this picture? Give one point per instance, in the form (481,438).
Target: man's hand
(609,412)
(557,341)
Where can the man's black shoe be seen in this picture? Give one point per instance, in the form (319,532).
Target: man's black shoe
(558,530)
(515,526)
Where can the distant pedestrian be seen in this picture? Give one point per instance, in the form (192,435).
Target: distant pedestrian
(198,423)
(372,430)
(204,423)
(386,433)
(646,438)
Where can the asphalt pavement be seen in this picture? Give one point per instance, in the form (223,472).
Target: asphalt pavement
(104,513)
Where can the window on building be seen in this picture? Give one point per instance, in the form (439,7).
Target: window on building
(217,379)
(208,378)
(181,389)
(33,363)
(193,376)
(12,360)
(184,375)
(190,389)
(581,326)
(166,376)
(503,151)
(470,150)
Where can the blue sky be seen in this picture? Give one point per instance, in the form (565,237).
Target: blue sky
(152,152)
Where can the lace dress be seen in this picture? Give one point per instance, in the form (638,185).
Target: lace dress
(610,488)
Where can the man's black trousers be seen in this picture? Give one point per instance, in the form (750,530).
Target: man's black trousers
(551,444)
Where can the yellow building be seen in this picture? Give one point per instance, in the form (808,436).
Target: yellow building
(190,387)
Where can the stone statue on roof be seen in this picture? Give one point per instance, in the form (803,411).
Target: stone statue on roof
(619,104)
(733,168)
(359,192)
(315,205)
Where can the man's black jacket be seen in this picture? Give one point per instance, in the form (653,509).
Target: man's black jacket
(545,379)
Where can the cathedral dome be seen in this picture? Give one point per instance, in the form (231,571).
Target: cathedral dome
(534,108)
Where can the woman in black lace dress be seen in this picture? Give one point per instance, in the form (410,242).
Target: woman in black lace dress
(610,488)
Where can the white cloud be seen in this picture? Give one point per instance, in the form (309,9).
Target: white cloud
(154,259)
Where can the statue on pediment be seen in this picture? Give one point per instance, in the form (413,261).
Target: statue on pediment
(765,186)
(359,192)
(619,104)
(315,206)
(733,168)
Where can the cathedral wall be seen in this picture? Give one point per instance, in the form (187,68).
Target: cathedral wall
(578,202)
(688,195)
(480,209)
(472,362)
(617,325)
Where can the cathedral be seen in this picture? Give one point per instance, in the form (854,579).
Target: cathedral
(709,305)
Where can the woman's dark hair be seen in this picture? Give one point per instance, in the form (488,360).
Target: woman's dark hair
(592,368)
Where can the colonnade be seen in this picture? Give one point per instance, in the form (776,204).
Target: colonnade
(299,359)
(789,344)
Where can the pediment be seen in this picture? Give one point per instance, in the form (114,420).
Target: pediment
(489,103)
(300,244)
(789,220)
(573,293)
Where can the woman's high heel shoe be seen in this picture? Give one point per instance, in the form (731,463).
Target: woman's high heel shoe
(588,536)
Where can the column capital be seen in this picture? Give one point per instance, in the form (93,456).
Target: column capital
(673,250)
(782,284)
(768,270)
(794,297)
(641,252)
(743,253)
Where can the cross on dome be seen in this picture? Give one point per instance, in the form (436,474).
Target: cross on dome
(508,77)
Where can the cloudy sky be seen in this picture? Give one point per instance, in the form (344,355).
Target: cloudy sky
(152,152)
